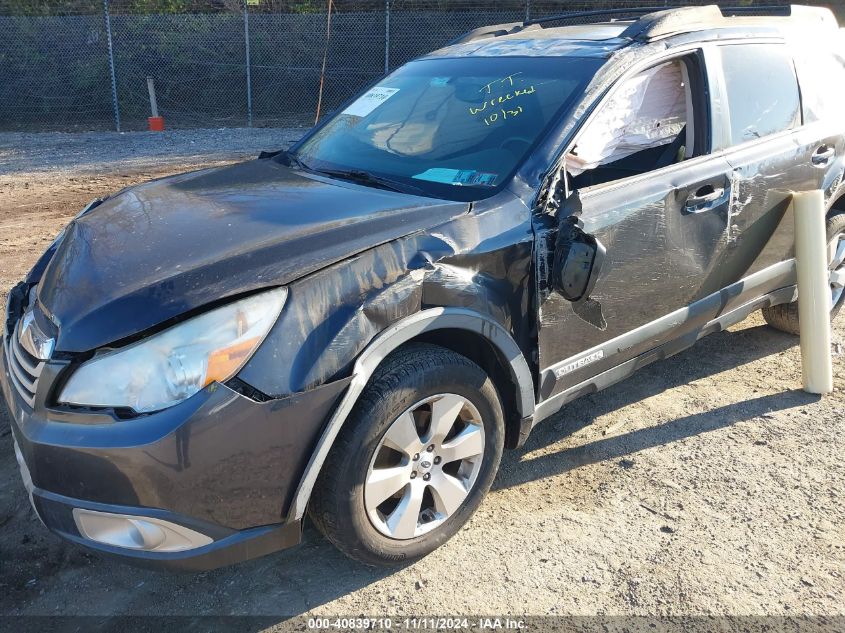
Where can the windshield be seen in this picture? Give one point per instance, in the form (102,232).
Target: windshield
(449,128)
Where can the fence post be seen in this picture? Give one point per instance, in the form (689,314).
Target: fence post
(115,104)
(386,36)
(527,10)
(248,66)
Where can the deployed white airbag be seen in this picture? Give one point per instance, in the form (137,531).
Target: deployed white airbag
(648,110)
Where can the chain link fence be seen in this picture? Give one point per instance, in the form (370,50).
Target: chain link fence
(84,64)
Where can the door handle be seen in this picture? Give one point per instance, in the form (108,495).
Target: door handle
(706,198)
(822,155)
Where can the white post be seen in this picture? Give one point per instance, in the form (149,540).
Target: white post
(151,88)
(813,291)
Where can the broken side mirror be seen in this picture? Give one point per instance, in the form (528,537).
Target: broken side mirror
(576,267)
(578,260)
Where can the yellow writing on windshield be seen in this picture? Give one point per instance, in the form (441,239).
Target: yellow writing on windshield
(499,107)
(505,114)
(508,81)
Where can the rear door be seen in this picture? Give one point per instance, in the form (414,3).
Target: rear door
(821,75)
(771,153)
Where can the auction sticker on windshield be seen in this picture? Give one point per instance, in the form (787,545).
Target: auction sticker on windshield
(469,177)
(369,101)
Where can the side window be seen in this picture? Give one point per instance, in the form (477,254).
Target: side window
(821,73)
(651,120)
(762,90)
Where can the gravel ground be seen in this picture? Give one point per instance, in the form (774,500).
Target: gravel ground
(706,484)
(69,156)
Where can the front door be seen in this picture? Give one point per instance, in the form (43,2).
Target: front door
(664,234)
(658,201)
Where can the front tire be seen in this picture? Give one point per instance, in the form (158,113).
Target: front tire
(414,459)
(784,317)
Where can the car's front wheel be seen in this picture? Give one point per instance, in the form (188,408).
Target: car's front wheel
(414,460)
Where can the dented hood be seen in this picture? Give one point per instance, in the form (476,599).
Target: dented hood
(160,249)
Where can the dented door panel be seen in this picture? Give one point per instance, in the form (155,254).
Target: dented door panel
(764,175)
(661,253)
(765,172)
(833,173)
(825,141)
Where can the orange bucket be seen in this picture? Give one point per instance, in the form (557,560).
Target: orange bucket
(156,123)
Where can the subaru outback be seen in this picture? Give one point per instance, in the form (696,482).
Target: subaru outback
(356,327)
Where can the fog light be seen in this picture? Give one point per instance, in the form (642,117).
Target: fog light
(135,532)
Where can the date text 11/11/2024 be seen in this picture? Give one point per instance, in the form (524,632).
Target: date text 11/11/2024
(419,624)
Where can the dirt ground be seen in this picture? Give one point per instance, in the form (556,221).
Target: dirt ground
(707,484)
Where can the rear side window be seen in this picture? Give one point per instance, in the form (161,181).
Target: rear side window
(762,90)
(822,76)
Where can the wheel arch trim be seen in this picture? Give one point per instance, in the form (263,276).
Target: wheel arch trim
(391,339)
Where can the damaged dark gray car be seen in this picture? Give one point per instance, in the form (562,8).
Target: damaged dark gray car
(357,327)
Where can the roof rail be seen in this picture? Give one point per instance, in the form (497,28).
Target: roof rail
(664,23)
(497,30)
(494,30)
(509,28)
(594,13)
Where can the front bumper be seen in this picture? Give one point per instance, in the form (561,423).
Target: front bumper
(219,464)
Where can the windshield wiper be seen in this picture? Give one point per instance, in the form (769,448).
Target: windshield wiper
(353,175)
(366,178)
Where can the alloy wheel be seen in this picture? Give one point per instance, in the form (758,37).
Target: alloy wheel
(424,466)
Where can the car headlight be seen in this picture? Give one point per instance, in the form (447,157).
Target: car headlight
(173,365)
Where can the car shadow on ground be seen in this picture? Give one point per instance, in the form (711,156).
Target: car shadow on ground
(710,356)
(315,573)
